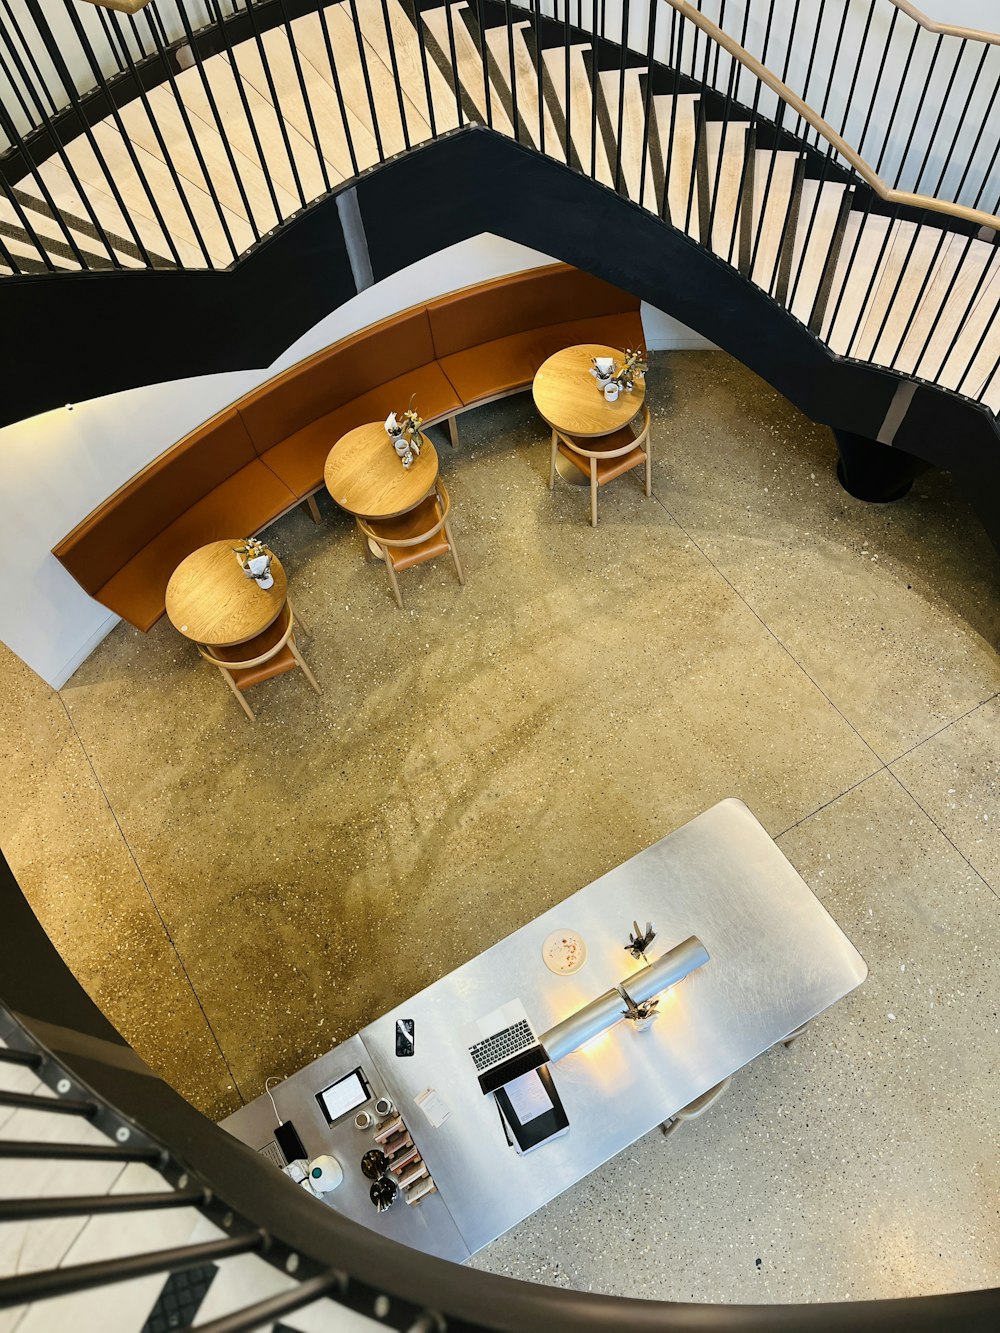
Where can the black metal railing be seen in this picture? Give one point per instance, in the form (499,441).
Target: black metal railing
(49,1026)
(185,135)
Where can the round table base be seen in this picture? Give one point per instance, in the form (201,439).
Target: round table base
(570,472)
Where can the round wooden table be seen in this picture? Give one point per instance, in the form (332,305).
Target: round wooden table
(211,600)
(567,396)
(364,475)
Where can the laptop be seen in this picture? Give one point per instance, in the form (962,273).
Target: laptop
(503,1046)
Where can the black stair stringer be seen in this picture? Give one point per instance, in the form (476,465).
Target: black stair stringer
(150,326)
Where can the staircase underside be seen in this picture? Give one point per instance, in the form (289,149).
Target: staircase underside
(754,240)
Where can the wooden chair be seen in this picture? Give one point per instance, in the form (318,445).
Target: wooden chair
(696,1108)
(269,654)
(419,535)
(605,457)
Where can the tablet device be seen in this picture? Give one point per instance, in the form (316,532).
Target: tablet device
(340,1098)
(531,1109)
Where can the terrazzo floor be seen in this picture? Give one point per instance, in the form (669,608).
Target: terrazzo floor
(239,897)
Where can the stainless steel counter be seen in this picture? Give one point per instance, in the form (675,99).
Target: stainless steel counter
(776,960)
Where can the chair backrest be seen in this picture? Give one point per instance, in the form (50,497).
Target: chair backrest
(228,664)
(140,510)
(442,507)
(579,446)
(514,304)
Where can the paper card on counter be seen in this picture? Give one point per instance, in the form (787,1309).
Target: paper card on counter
(528,1097)
(433,1106)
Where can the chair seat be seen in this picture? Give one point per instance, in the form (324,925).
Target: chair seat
(607,468)
(406,527)
(244,677)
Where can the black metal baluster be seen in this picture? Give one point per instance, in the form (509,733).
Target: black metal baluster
(975,147)
(887,240)
(665,203)
(940,116)
(723,133)
(943,303)
(749,145)
(536,17)
(400,100)
(895,106)
(251,124)
(699,134)
(920,110)
(275,102)
(987,275)
(719,23)
(14,26)
(484,54)
(169,163)
(453,57)
(293,52)
(367,79)
(647,98)
(513,70)
(812,59)
(339,92)
(960,127)
(834,64)
(22,217)
(878,82)
(12,132)
(568,98)
(196,147)
(918,299)
(219,125)
(766,194)
(987,382)
(620,129)
(593,94)
(129,147)
(858,61)
(109,32)
(807,238)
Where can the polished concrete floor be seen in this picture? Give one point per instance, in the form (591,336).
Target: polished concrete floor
(239,897)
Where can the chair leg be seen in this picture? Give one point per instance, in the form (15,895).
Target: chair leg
(552,460)
(649,468)
(392,578)
(301,661)
(312,508)
(453,431)
(669,1126)
(454,554)
(239,694)
(300,622)
(366,549)
(593,492)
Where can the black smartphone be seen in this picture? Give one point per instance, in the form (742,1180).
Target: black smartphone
(288,1141)
(404,1036)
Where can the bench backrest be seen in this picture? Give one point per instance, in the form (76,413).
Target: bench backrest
(310,390)
(116,531)
(531,300)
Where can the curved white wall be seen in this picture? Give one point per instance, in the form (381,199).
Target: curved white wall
(57,467)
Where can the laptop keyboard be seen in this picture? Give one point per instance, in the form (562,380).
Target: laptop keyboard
(502,1045)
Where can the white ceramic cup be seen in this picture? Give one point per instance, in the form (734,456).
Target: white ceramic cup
(611,390)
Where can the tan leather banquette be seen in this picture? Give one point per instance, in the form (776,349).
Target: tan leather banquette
(239,471)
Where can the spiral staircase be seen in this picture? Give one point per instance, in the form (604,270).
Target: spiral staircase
(282,155)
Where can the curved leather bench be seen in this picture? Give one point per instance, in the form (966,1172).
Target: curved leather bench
(264,454)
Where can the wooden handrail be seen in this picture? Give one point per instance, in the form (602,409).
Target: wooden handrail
(826,131)
(947,29)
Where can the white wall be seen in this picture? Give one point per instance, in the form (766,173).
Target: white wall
(57,467)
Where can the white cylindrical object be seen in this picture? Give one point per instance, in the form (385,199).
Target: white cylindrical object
(325,1174)
(607,1009)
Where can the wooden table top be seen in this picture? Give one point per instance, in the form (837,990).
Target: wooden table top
(567,396)
(210,599)
(364,475)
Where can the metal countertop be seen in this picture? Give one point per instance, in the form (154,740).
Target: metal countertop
(776,960)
